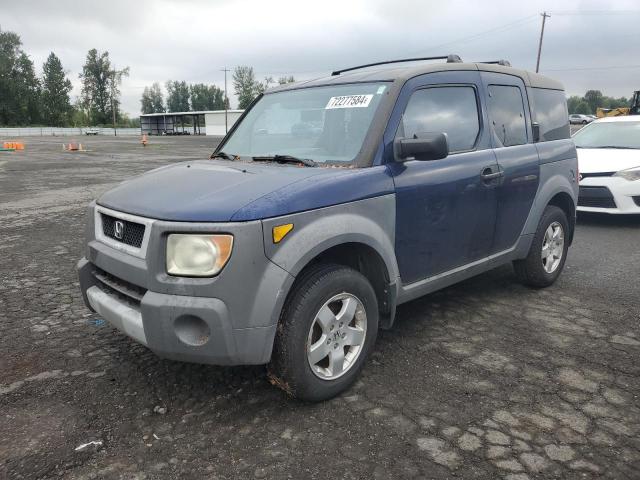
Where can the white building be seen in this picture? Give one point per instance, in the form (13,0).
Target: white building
(209,122)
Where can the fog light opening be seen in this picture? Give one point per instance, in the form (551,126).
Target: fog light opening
(192,330)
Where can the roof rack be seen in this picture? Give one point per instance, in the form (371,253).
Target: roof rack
(504,63)
(451,58)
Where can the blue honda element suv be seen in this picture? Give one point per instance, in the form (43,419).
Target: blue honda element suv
(328,204)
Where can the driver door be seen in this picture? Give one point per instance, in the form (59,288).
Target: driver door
(445,209)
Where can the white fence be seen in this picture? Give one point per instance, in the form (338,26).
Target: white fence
(61,132)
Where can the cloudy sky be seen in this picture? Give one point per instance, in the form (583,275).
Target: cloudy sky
(588,43)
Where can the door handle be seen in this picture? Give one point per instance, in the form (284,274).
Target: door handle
(491,176)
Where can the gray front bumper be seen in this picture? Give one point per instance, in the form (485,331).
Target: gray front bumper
(178,327)
(229,319)
(125,318)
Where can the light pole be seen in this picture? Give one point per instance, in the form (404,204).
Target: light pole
(226,100)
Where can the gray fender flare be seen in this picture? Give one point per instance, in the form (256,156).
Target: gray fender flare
(553,180)
(370,222)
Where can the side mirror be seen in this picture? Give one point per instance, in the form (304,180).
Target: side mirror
(423,146)
(535,129)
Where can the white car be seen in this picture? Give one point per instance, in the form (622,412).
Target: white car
(609,164)
(578,119)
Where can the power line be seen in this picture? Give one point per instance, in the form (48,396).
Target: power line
(595,12)
(576,69)
(500,28)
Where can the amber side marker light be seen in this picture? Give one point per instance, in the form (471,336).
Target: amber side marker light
(281,231)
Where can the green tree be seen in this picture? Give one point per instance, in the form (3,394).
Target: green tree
(285,80)
(19,86)
(206,97)
(56,86)
(152,100)
(101,87)
(583,108)
(594,99)
(177,96)
(246,86)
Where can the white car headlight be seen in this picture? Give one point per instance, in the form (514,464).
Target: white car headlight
(190,255)
(629,174)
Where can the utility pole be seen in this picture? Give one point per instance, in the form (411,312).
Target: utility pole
(545,15)
(113,113)
(226,100)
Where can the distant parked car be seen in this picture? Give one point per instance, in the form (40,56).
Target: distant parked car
(92,131)
(609,161)
(578,119)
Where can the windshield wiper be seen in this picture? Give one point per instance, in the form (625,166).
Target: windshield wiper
(307,162)
(224,155)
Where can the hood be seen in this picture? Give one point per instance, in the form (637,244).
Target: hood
(604,160)
(221,191)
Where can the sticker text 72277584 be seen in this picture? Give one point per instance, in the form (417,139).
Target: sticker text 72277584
(349,101)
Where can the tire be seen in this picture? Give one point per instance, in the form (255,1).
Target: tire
(584,122)
(534,270)
(322,296)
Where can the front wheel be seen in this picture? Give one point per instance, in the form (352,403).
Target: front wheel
(548,250)
(327,330)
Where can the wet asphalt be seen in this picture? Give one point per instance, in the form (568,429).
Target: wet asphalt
(486,379)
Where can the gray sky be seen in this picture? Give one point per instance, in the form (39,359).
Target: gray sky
(588,43)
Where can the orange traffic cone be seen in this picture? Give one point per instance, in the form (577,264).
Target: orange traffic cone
(144,140)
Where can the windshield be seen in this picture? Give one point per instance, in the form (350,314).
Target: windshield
(609,135)
(323,124)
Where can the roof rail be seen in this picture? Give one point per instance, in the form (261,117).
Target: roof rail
(451,58)
(504,63)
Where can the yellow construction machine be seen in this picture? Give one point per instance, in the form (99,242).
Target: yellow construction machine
(634,109)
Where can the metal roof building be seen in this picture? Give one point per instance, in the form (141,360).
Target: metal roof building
(209,122)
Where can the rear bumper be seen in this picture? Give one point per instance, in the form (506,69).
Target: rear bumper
(613,195)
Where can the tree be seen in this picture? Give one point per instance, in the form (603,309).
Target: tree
(19,86)
(177,96)
(56,86)
(206,97)
(285,80)
(583,108)
(245,86)
(152,100)
(101,87)
(594,99)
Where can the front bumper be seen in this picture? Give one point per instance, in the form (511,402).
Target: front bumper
(226,320)
(613,195)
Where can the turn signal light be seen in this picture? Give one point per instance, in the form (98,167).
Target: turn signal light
(281,231)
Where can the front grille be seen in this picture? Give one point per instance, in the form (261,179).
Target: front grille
(636,200)
(132,233)
(124,290)
(597,197)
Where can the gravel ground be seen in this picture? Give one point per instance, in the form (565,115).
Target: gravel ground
(486,379)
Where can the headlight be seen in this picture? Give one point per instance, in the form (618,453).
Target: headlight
(197,255)
(629,174)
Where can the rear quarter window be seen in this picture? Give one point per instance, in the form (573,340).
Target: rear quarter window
(507,115)
(550,112)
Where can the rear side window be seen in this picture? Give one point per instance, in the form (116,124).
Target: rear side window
(506,114)
(550,112)
(449,110)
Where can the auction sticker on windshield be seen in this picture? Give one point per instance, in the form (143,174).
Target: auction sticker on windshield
(349,101)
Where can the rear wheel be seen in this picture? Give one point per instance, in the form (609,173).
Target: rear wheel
(328,328)
(548,250)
